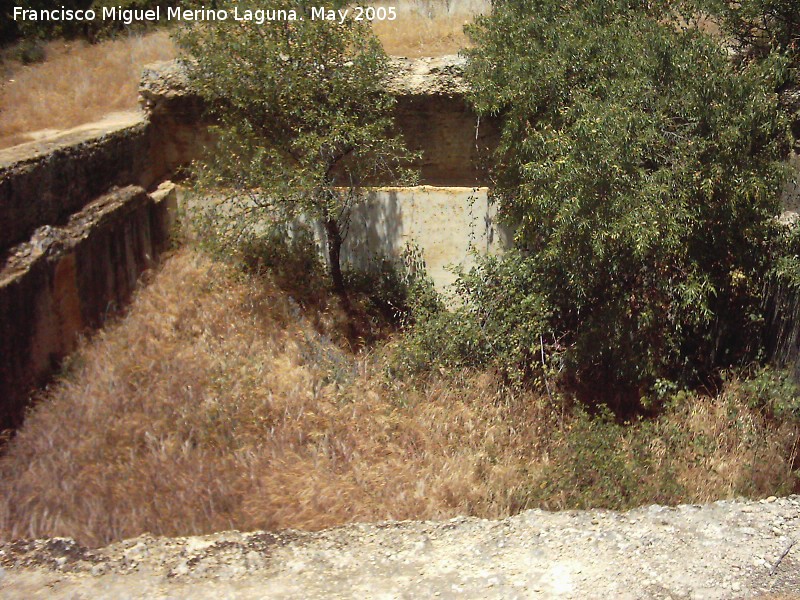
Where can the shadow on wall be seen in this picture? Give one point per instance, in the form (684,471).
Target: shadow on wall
(375,230)
(448,224)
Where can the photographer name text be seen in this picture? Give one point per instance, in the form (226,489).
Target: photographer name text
(129,16)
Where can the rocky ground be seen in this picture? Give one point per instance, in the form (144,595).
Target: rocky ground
(721,550)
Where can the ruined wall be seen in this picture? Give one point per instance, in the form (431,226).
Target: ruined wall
(447,217)
(45,182)
(431,113)
(72,245)
(68,278)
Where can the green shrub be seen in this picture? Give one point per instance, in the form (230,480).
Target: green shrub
(739,442)
(499,320)
(641,169)
(399,290)
(598,463)
(290,256)
(774,393)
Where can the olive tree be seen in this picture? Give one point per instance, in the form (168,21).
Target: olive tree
(304,119)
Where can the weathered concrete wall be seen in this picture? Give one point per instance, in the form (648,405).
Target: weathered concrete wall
(448,225)
(68,278)
(43,183)
(175,113)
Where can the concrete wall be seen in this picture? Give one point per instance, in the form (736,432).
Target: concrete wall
(68,278)
(446,217)
(448,224)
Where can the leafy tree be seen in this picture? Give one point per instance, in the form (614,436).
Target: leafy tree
(761,26)
(304,119)
(641,169)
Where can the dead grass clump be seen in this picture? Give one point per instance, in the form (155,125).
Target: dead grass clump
(734,449)
(77,83)
(214,405)
(415,35)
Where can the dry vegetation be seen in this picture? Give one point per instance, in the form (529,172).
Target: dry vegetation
(415,35)
(219,402)
(78,82)
(212,405)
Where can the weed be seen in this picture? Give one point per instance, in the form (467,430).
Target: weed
(75,83)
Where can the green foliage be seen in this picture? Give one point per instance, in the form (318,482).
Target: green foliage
(9,28)
(599,463)
(741,442)
(761,26)
(283,253)
(399,290)
(304,119)
(641,169)
(500,321)
(774,393)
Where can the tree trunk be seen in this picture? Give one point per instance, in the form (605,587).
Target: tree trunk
(334,235)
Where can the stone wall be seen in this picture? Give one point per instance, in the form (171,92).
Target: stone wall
(447,217)
(72,243)
(77,226)
(431,113)
(70,277)
(43,183)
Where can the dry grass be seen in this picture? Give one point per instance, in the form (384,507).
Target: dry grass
(218,403)
(214,405)
(727,450)
(414,35)
(77,83)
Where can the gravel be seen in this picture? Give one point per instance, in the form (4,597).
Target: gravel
(728,549)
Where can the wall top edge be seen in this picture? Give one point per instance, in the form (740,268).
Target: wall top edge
(53,240)
(167,81)
(112,124)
